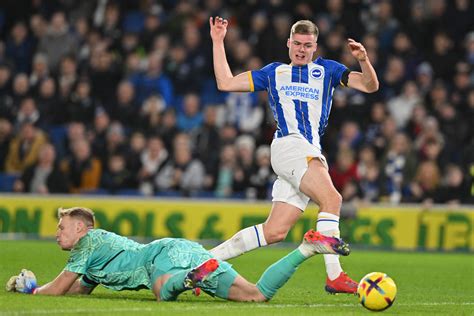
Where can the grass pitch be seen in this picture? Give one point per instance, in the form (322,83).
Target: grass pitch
(428,283)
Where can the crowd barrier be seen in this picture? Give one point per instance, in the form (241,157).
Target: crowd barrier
(408,227)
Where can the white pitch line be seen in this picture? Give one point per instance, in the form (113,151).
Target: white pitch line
(214,307)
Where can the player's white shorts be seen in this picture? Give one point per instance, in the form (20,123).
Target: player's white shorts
(290,156)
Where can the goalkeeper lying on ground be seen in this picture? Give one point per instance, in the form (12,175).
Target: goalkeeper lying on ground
(167,266)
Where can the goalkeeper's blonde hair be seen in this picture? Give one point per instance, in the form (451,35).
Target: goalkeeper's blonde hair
(83,213)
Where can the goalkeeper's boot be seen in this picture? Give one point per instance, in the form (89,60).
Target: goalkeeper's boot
(342,284)
(319,243)
(200,273)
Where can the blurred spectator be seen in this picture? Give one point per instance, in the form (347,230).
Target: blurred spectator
(98,135)
(443,56)
(399,166)
(383,23)
(344,170)
(137,145)
(153,159)
(393,78)
(150,114)
(225,171)
(429,133)
(117,176)
(350,136)
(48,104)
(462,85)
(191,118)
(27,113)
(123,108)
(110,26)
(21,89)
(43,177)
(366,158)
(403,47)
(373,132)
(244,111)
(401,106)
(207,145)
(168,128)
(416,121)
(57,41)
(68,76)
(437,96)
(454,129)
(82,170)
(370,183)
(82,105)
(228,134)
(262,177)
(5,138)
(454,188)
(182,173)
(152,27)
(114,143)
(19,47)
(245,146)
(153,81)
(425,183)
(104,75)
(5,83)
(24,148)
(424,78)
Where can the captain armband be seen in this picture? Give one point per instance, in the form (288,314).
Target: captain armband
(345,78)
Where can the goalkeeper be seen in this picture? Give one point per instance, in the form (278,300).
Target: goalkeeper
(167,266)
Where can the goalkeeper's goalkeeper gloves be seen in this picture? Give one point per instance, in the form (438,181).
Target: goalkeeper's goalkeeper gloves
(25,282)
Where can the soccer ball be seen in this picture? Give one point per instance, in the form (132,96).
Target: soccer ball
(377,291)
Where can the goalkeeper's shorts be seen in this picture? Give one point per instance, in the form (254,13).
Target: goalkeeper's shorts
(182,254)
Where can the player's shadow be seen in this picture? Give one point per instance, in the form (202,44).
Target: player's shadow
(185,297)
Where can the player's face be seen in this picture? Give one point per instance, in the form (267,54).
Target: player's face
(301,48)
(68,232)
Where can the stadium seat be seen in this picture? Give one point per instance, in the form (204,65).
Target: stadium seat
(169,194)
(129,192)
(6,181)
(203,194)
(133,22)
(57,136)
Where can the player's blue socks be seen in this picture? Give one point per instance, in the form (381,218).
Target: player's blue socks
(174,286)
(279,273)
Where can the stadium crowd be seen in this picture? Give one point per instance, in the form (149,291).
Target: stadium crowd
(119,97)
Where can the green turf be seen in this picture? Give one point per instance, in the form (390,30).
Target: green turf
(428,283)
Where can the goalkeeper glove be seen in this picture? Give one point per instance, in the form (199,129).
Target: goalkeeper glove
(25,282)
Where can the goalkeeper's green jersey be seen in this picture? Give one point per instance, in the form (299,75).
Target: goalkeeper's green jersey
(114,261)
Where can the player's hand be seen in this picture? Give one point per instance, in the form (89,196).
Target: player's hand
(357,49)
(11,284)
(25,282)
(218,28)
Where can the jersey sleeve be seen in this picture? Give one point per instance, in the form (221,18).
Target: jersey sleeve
(85,281)
(337,71)
(259,78)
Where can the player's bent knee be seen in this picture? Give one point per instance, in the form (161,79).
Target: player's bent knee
(274,236)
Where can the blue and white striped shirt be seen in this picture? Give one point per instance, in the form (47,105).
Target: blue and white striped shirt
(300,96)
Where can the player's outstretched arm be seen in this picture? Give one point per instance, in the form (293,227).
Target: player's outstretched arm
(365,81)
(224,77)
(78,288)
(60,285)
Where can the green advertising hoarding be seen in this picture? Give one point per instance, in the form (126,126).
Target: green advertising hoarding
(407,228)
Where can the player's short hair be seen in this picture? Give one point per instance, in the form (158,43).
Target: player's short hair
(304,27)
(83,213)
